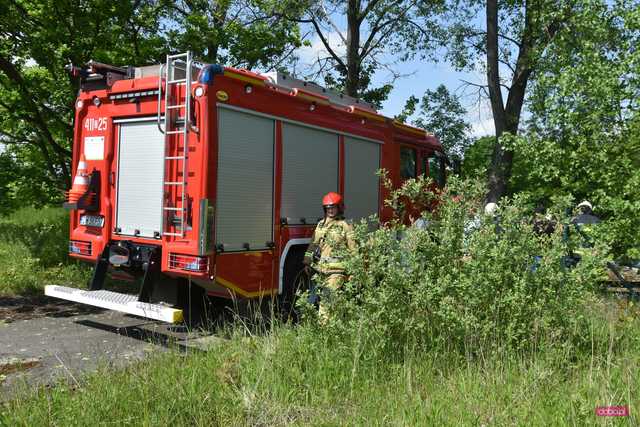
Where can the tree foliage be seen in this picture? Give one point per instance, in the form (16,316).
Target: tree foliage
(238,33)
(38,38)
(477,157)
(584,130)
(374,28)
(441,113)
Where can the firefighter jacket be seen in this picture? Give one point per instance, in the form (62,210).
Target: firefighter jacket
(333,236)
(583,227)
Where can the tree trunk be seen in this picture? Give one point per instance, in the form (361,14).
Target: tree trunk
(505,119)
(497,182)
(219,12)
(352,84)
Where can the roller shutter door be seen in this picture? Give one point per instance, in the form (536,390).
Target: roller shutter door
(309,171)
(140,170)
(244,213)
(361,184)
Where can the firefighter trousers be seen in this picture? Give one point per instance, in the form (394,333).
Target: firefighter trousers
(323,287)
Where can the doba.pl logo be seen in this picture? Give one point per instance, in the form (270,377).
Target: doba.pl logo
(612,411)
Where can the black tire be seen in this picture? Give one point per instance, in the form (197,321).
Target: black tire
(292,283)
(194,302)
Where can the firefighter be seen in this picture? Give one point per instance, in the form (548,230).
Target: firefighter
(332,236)
(585,216)
(584,224)
(543,222)
(580,232)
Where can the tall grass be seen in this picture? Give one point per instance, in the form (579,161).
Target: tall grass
(437,328)
(33,251)
(305,376)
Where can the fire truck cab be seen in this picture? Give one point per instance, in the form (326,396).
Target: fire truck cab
(213,176)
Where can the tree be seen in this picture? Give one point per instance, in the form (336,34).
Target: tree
(515,39)
(583,136)
(442,114)
(37,39)
(373,28)
(239,33)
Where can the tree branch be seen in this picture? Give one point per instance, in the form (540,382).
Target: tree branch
(372,4)
(12,73)
(378,26)
(326,44)
(327,17)
(377,43)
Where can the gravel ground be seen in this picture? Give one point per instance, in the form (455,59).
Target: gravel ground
(44,340)
(29,307)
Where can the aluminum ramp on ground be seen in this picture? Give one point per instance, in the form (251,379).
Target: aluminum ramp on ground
(124,303)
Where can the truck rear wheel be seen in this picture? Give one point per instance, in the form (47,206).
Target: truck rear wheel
(293,283)
(194,302)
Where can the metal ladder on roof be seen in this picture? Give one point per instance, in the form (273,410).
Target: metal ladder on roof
(176,130)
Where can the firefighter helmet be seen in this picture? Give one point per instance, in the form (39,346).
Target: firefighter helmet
(332,199)
(490,208)
(585,204)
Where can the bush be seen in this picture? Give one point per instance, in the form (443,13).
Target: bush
(469,281)
(44,232)
(33,251)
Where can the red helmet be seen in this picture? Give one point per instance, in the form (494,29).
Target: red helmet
(332,198)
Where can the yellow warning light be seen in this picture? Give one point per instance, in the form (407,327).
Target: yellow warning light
(222,96)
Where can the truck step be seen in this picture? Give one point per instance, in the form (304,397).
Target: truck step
(124,303)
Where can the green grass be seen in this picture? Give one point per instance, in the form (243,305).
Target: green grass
(306,375)
(22,274)
(33,252)
(303,376)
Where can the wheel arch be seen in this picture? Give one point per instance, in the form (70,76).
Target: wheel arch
(291,246)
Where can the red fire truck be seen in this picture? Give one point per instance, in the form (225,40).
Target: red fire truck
(213,176)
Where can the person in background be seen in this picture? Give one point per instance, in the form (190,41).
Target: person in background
(581,231)
(543,222)
(584,223)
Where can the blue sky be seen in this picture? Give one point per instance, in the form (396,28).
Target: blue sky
(419,76)
(429,75)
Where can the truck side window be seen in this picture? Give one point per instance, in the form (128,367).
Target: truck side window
(425,165)
(407,163)
(436,170)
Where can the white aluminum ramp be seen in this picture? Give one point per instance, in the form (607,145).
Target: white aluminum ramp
(124,303)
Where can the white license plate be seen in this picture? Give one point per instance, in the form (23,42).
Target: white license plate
(92,220)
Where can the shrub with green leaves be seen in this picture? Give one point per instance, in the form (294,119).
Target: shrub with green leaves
(33,251)
(44,232)
(467,281)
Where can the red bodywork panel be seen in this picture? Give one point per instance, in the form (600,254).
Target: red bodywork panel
(250,273)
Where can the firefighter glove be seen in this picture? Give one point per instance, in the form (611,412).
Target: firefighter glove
(311,255)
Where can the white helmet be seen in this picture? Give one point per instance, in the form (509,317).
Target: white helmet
(490,208)
(586,204)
